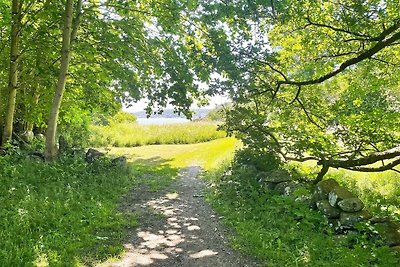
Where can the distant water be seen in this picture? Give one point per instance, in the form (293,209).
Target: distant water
(160,121)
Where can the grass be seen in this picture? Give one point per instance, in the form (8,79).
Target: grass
(132,134)
(284,232)
(208,155)
(64,213)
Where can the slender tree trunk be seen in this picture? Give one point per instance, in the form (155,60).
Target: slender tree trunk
(13,74)
(69,34)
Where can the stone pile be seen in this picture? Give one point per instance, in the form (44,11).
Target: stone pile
(279,180)
(344,210)
(340,206)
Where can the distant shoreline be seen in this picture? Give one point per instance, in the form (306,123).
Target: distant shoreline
(169,114)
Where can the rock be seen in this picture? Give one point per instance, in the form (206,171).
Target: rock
(322,191)
(269,185)
(36,156)
(120,162)
(390,233)
(40,137)
(93,155)
(286,188)
(276,176)
(27,136)
(396,249)
(375,220)
(351,204)
(337,194)
(350,219)
(326,209)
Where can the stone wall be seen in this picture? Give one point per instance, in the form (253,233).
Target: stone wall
(341,207)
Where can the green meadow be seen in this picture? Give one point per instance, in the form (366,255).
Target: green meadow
(133,134)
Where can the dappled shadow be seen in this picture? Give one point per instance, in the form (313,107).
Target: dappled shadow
(177,229)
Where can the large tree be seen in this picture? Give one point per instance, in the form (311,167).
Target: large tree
(313,79)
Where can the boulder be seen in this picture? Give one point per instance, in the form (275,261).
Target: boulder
(120,162)
(276,176)
(351,204)
(390,233)
(93,155)
(323,188)
(351,218)
(396,249)
(377,219)
(337,194)
(36,156)
(286,188)
(326,209)
(28,136)
(40,137)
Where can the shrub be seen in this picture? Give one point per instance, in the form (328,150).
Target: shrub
(262,160)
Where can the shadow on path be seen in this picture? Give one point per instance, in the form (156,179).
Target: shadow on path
(177,229)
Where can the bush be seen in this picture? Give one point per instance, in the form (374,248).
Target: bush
(262,160)
(123,117)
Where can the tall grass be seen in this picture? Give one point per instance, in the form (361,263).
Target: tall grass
(64,213)
(130,135)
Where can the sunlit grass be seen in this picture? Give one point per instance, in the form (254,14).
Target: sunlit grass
(132,134)
(208,155)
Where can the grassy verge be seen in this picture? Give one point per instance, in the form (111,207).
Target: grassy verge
(284,232)
(131,135)
(64,213)
(208,155)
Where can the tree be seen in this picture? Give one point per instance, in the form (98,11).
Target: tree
(313,79)
(13,72)
(69,34)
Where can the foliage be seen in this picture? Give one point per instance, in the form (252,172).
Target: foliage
(123,117)
(262,160)
(282,231)
(310,79)
(217,114)
(122,52)
(62,213)
(128,134)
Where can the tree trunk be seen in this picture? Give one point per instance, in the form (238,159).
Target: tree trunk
(51,147)
(13,74)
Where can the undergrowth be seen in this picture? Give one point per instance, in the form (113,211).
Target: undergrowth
(132,134)
(63,213)
(282,231)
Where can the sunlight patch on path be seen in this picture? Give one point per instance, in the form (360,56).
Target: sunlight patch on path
(178,229)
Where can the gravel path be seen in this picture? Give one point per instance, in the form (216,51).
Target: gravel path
(177,229)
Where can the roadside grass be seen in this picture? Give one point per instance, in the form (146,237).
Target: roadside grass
(65,213)
(133,134)
(208,155)
(282,231)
